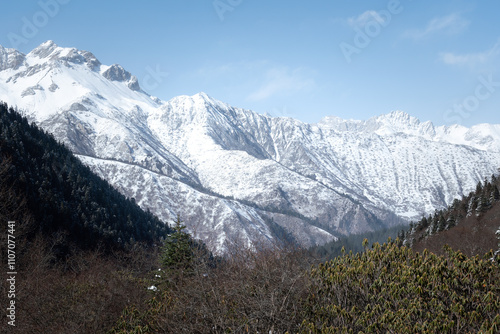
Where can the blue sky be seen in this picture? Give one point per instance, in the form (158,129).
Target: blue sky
(436,60)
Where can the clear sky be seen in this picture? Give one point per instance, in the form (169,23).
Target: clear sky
(436,60)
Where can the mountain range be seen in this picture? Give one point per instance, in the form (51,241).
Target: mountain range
(234,175)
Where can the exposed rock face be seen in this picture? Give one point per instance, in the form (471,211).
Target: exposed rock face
(134,84)
(116,73)
(10,58)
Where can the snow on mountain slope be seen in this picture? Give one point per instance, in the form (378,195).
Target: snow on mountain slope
(482,136)
(234,174)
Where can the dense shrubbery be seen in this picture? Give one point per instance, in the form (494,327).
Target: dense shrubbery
(246,293)
(391,289)
(85,292)
(386,289)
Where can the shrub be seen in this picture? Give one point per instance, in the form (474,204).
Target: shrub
(391,289)
(249,292)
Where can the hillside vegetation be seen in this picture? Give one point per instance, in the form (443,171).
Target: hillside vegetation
(80,245)
(469,224)
(393,289)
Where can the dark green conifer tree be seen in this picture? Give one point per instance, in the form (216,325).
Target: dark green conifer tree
(441,225)
(177,254)
(495,194)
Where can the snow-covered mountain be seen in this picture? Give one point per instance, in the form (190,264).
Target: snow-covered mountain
(235,175)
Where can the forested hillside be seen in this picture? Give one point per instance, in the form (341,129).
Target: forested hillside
(79,245)
(469,224)
(61,194)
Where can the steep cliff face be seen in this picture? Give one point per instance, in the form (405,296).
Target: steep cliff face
(235,174)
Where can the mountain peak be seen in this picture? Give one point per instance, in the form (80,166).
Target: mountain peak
(11,58)
(210,101)
(44,49)
(397,117)
(117,73)
(401,122)
(204,97)
(48,44)
(54,53)
(387,124)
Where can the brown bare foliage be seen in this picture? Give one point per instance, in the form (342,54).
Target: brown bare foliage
(249,292)
(84,294)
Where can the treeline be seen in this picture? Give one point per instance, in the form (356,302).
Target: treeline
(62,194)
(470,210)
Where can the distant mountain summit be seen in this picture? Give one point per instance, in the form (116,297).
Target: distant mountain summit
(11,59)
(482,136)
(233,174)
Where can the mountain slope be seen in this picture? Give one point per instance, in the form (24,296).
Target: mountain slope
(61,196)
(234,174)
(469,224)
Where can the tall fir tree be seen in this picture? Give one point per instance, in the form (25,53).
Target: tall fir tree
(177,253)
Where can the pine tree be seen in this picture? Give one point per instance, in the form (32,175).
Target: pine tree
(472,206)
(177,254)
(441,225)
(424,223)
(479,188)
(450,222)
(482,205)
(495,194)
(433,227)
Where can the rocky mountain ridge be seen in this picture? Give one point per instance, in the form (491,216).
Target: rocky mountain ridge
(233,174)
